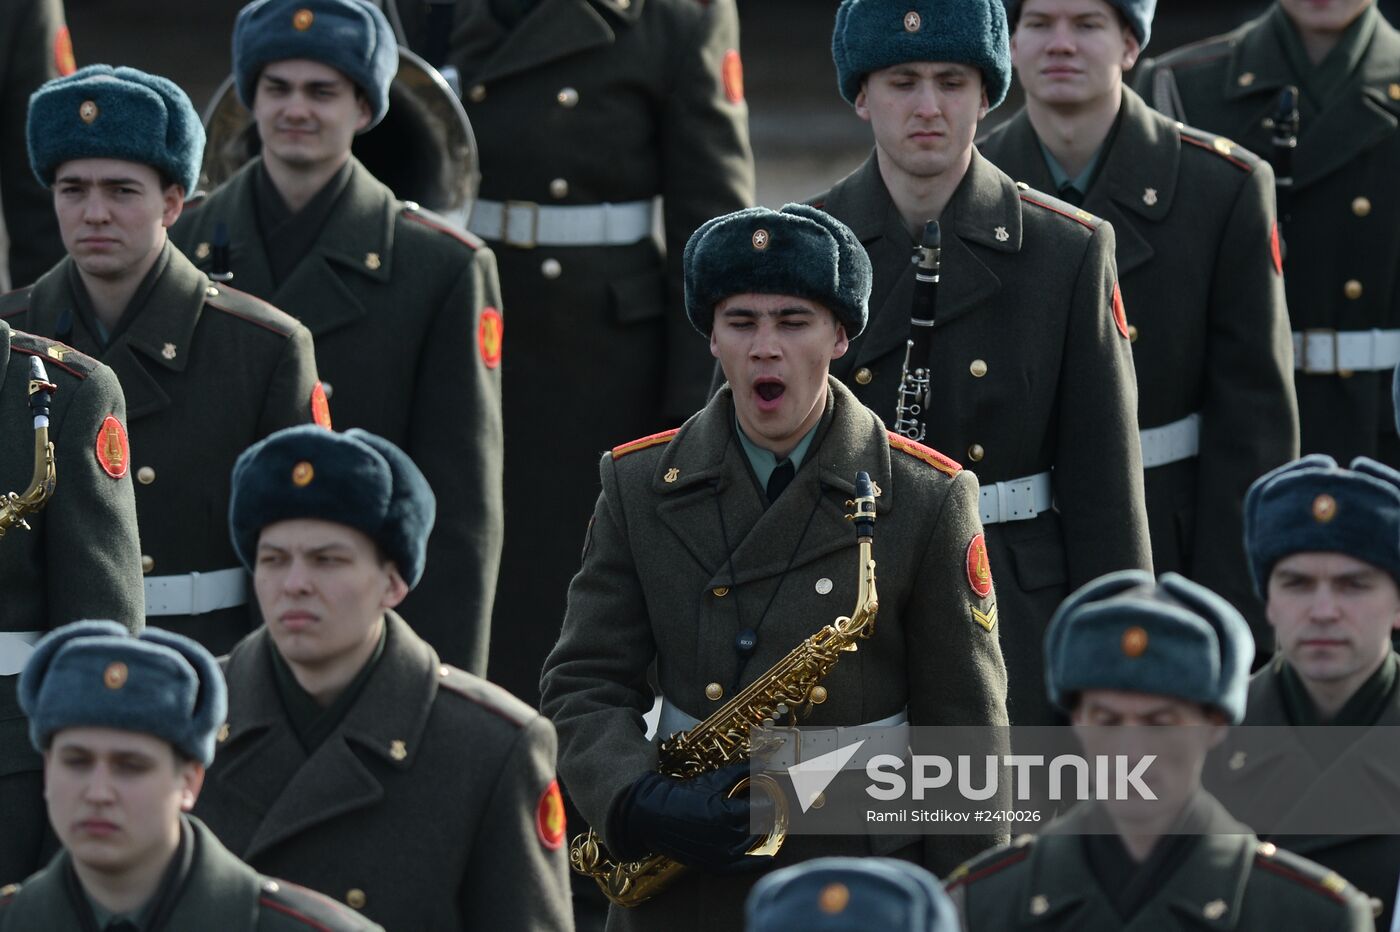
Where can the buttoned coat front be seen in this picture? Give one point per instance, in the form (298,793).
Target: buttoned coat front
(1342,267)
(1311,784)
(207,371)
(592,102)
(1027,300)
(1193,223)
(430,800)
(1229,881)
(405,311)
(681,555)
(80,557)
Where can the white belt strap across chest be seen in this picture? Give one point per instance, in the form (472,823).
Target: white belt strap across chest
(196,593)
(527,224)
(1328,352)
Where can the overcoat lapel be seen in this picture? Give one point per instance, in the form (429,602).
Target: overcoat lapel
(555,29)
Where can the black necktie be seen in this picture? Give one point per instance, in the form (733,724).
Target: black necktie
(1070,194)
(779,479)
(120,924)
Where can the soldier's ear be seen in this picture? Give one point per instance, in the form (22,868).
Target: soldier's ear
(192,780)
(362,105)
(862,108)
(1131,48)
(173,204)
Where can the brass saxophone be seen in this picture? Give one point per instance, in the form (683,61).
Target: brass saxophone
(792,684)
(15,506)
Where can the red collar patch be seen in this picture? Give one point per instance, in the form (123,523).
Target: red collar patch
(979,570)
(113,450)
(549,817)
(490,332)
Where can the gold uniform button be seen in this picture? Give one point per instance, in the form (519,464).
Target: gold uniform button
(1039,905)
(720,592)
(1352,289)
(1395,92)
(148,563)
(201,251)
(978,368)
(211,292)
(270,886)
(567,97)
(223,733)
(863,376)
(477,93)
(145,475)
(1361,206)
(551,269)
(975,452)
(355,898)
(559,188)
(714,692)
(1246,79)
(1132,333)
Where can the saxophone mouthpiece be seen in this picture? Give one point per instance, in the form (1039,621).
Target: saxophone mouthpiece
(40,391)
(865,505)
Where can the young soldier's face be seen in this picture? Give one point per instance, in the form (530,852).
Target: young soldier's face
(114,797)
(924,115)
(1071,52)
(323,590)
(307,114)
(1332,615)
(1179,733)
(113,214)
(775,351)
(1323,15)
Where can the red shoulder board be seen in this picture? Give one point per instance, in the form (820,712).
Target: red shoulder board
(320,407)
(967,875)
(920,452)
(1079,216)
(63,59)
(413,212)
(549,817)
(1330,885)
(113,449)
(490,331)
(618,452)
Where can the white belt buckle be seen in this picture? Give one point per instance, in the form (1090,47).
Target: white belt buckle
(524,207)
(1320,334)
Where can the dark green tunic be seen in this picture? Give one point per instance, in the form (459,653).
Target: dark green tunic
(405,311)
(1343,256)
(34,48)
(1027,291)
(207,371)
(1227,880)
(1193,226)
(586,102)
(216,891)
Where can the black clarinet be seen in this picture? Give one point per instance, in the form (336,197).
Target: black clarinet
(1285,141)
(912,402)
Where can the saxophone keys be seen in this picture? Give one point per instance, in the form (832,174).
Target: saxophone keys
(818,695)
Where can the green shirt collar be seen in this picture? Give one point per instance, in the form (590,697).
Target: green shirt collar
(312,723)
(1082,182)
(1365,706)
(764,462)
(1325,80)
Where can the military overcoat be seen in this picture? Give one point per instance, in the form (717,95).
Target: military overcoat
(432,805)
(34,47)
(1230,880)
(81,557)
(406,314)
(1193,223)
(1371,862)
(1032,371)
(681,555)
(589,102)
(1342,268)
(219,892)
(207,371)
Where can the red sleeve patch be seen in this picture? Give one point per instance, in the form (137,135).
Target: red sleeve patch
(113,449)
(1120,314)
(63,59)
(979,569)
(320,407)
(1276,249)
(733,72)
(549,817)
(490,332)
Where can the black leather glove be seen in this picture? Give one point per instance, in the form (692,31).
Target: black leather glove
(689,820)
